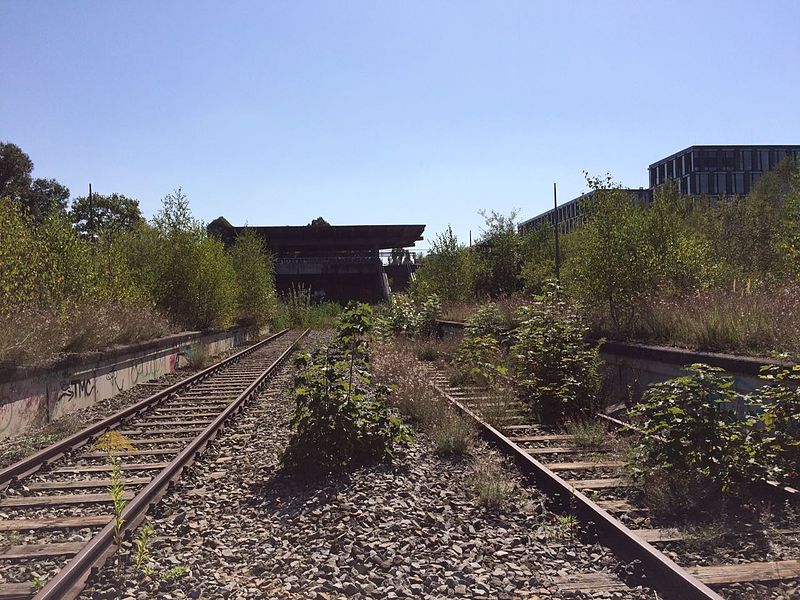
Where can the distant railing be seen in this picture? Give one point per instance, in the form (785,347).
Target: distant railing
(396,258)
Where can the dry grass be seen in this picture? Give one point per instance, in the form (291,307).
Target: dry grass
(394,363)
(453,435)
(36,337)
(506,305)
(493,486)
(198,357)
(589,435)
(765,322)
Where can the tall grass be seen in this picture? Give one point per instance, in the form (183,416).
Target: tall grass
(765,322)
(295,310)
(394,363)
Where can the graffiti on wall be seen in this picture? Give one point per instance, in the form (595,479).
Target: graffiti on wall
(78,388)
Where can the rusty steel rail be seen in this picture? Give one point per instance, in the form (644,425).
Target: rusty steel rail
(35,461)
(69,582)
(665,574)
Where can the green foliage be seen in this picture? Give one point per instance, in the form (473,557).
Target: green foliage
(448,270)
(538,254)
(610,270)
(196,281)
(104,215)
(254,269)
(779,404)
(37,197)
(341,418)
(555,370)
(691,427)
(480,356)
(411,317)
(498,256)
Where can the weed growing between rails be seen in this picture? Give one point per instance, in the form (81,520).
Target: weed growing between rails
(341,418)
(112,443)
(696,453)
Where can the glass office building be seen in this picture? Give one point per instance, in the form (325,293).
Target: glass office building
(719,170)
(713,171)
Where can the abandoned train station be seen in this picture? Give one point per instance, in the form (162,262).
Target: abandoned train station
(337,262)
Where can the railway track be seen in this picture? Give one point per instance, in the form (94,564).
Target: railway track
(57,514)
(562,469)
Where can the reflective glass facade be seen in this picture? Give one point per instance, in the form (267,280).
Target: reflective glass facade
(719,170)
(698,170)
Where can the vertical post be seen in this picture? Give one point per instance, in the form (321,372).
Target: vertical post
(556,226)
(90,224)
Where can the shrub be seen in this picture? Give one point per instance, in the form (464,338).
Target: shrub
(779,403)
(407,316)
(555,369)
(690,427)
(341,418)
(254,270)
(480,355)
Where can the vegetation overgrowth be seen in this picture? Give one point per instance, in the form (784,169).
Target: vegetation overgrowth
(65,289)
(97,274)
(683,271)
(698,426)
(341,417)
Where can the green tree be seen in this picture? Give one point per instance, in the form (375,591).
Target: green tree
(104,214)
(609,267)
(447,271)
(255,272)
(537,249)
(498,255)
(15,171)
(38,196)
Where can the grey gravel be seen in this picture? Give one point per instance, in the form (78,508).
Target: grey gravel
(411,529)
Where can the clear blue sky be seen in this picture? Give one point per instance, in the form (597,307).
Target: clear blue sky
(385,112)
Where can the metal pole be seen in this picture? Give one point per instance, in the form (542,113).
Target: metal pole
(91,213)
(556,224)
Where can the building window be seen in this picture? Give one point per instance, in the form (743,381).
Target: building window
(738,183)
(747,155)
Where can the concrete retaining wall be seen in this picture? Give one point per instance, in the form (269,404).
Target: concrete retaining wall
(629,367)
(34,397)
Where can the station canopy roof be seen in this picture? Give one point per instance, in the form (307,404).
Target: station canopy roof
(306,238)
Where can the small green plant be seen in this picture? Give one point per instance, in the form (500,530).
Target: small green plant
(779,403)
(142,546)
(113,442)
(38,582)
(174,573)
(341,418)
(453,435)
(499,407)
(492,485)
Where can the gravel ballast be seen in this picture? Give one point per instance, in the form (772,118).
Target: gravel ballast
(412,529)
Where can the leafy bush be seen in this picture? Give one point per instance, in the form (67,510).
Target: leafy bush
(254,269)
(555,370)
(410,317)
(690,426)
(779,403)
(480,356)
(341,418)
(448,270)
